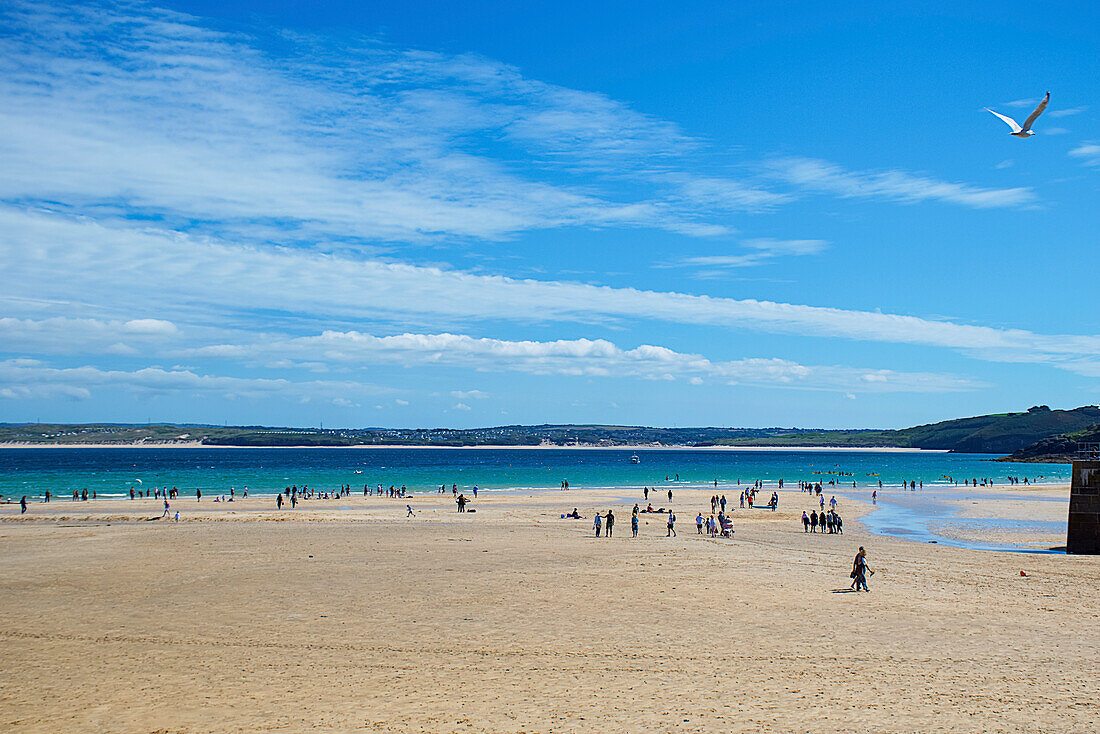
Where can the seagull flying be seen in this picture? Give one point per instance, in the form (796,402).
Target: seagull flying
(1024,131)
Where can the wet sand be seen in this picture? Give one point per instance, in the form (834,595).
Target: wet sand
(242,618)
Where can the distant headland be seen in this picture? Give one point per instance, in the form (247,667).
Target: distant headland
(1038,434)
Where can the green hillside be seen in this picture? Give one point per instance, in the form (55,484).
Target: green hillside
(994,434)
(1062,448)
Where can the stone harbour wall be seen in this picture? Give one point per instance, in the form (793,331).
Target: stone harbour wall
(1083,533)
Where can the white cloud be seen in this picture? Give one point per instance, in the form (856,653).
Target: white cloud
(196,126)
(202,279)
(401,402)
(345,403)
(1088,153)
(150,327)
(786,247)
(461,406)
(726,194)
(586,357)
(759,252)
(828,178)
(24,379)
(469,394)
(76,335)
(1067,112)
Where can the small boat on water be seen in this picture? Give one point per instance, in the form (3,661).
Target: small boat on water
(635,460)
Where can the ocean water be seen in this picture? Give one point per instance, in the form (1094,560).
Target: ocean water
(113,471)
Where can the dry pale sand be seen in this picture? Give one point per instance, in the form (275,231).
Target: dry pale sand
(243,619)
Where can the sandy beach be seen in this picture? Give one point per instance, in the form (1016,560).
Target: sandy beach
(346,615)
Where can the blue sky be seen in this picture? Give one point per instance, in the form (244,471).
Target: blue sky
(463,214)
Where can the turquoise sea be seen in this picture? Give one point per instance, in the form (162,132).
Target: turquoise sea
(916,516)
(113,471)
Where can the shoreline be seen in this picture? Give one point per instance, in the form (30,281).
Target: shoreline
(858,507)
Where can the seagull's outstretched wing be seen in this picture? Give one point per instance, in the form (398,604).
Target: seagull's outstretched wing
(1038,111)
(1011,123)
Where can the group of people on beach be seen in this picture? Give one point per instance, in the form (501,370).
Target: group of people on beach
(394,492)
(748,498)
(829,522)
(293,495)
(720,525)
(604,524)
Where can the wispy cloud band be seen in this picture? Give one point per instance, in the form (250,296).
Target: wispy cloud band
(206,279)
(828,178)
